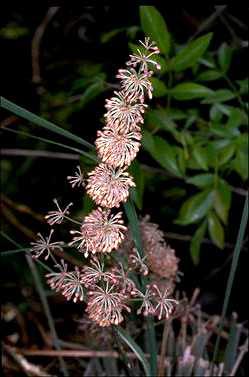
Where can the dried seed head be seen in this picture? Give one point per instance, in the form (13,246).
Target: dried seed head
(161,257)
(109,187)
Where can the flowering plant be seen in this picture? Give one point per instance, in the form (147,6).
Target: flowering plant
(105,285)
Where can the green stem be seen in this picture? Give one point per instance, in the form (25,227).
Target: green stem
(231,277)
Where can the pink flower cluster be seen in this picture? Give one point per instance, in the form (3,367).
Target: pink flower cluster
(107,290)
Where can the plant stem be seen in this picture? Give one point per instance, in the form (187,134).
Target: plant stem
(231,277)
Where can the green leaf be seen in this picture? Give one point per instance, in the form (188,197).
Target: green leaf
(159,87)
(240,164)
(154,25)
(222,200)
(161,119)
(209,75)
(162,152)
(216,230)
(134,224)
(135,348)
(201,180)
(195,208)
(25,114)
(189,90)
(190,54)
(220,95)
(201,156)
(91,92)
(224,57)
(243,86)
(196,242)
(138,175)
(106,37)
(225,154)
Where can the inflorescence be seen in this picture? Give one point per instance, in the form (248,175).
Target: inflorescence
(107,291)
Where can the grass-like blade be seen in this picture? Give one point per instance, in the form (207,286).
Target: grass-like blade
(133,221)
(136,349)
(25,114)
(80,152)
(150,331)
(234,265)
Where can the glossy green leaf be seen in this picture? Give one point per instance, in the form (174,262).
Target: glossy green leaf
(201,180)
(154,26)
(220,95)
(240,164)
(243,86)
(225,154)
(222,200)
(189,55)
(135,348)
(209,75)
(196,240)
(91,92)
(216,230)
(224,57)
(159,87)
(195,208)
(189,90)
(160,118)
(201,156)
(162,152)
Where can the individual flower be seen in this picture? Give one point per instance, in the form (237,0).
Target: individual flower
(56,279)
(56,217)
(105,305)
(123,114)
(117,149)
(95,273)
(164,306)
(101,232)
(44,245)
(77,179)
(123,282)
(138,263)
(72,287)
(135,85)
(146,308)
(109,187)
(144,57)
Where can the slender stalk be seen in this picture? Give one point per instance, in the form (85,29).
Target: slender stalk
(231,277)
(161,365)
